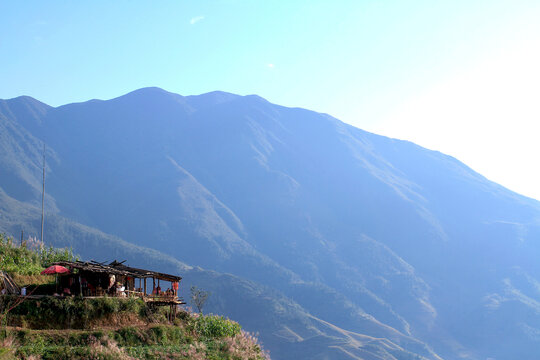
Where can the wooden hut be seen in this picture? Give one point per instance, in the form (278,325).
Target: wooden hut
(91,279)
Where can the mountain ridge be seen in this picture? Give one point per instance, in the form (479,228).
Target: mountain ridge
(348,223)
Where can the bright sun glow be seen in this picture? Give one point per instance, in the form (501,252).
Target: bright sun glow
(487,116)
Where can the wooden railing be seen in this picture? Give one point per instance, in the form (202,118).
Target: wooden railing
(134,293)
(157,298)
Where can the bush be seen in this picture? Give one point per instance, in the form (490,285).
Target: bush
(213,326)
(29,257)
(15,259)
(71,312)
(50,255)
(128,336)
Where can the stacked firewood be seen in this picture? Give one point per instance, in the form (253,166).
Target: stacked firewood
(8,284)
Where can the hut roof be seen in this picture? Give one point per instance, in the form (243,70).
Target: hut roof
(117,268)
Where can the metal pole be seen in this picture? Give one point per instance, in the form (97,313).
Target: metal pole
(43,195)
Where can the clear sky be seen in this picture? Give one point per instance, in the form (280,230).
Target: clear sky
(461,77)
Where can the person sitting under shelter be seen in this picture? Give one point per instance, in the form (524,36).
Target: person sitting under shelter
(121,290)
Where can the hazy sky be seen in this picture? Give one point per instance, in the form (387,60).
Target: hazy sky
(462,77)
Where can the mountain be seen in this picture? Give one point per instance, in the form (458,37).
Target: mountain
(332,242)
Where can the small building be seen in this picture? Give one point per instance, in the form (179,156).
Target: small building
(93,279)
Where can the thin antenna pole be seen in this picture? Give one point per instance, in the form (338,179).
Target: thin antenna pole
(43,195)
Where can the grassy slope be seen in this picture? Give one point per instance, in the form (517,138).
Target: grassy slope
(107,328)
(190,337)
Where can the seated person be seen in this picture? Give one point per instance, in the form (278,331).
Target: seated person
(122,290)
(112,290)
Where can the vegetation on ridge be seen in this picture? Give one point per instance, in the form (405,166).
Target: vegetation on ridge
(30,256)
(191,336)
(107,327)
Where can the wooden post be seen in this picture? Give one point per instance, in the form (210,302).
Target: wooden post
(144,286)
(153,285)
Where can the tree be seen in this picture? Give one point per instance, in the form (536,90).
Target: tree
(199,297)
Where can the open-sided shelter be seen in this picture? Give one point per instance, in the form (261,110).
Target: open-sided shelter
(116,279)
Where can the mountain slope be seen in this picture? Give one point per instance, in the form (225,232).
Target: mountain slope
(364,232)
(287,328)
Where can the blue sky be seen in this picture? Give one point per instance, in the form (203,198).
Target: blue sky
(456,76)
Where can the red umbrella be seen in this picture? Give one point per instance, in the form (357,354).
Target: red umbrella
(55,269)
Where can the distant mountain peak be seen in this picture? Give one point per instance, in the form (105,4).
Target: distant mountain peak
(149,90)
(25,109)
(25,100)
(211,98)
(149,93)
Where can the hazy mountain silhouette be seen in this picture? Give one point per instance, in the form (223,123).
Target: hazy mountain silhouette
(358,238)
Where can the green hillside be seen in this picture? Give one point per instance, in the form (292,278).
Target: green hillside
(102,328)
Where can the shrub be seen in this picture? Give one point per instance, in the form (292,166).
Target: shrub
(213,326)
(71,312)
(14,259)
(128,336)
(244,346)
(49,255)
(29,257)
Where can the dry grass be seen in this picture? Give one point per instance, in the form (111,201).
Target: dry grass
(196,351)
(117,320)
(8,342)
(245,346)
(106,348)
(7,347)
(24,280)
